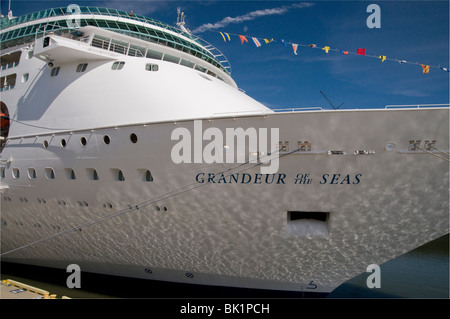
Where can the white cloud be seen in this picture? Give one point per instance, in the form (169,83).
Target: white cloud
(250,16)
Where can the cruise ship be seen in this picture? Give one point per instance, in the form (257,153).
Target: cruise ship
(128,149)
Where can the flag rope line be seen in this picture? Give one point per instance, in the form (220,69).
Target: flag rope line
(361,51)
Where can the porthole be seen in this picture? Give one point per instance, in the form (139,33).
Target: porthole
(70,174)
(118,174)
(82,203)
(145,175)
(107,205)
(45,144)
(82,67)
(118,65)
(92,174)
(106,139)
(133,138)
(63,142)
(15,173)
(31,173)
(49,173)
(83,141)
(148,176)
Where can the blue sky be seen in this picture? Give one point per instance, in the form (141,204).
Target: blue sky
(415,31)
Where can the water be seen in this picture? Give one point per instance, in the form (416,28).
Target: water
(422,273)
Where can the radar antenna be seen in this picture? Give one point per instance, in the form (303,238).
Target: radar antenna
(180,20)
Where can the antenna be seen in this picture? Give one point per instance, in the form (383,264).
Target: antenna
(329,102)
(180,20)
(10,14)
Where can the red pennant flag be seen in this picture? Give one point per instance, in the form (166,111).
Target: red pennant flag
(361,51)
(426,69)
(243,38)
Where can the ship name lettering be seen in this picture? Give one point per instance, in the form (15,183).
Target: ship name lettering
(335,179)
(240,178)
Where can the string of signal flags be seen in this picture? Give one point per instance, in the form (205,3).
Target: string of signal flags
(295,47)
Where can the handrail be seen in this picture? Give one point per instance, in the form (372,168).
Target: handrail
(297,109)
(418,106)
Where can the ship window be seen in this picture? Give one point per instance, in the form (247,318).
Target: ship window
(154,54)
(83,141)
(118,174)
(15,173)
(29,55)
(133,138)
(171,58)
(70,174)
(63,142)
(187,63)
(55,71)
(82,67)
(2,172)
(151,67)
(135,50)
(46,42)
(118,65)
(31,173)
(49,173)
(92,174)
(106,139)
(8,82)
(200,68)
(25,77)
(45,143)
(148,176)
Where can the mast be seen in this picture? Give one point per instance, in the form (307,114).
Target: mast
(180,20)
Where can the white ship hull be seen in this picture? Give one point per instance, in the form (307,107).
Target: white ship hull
(232,231)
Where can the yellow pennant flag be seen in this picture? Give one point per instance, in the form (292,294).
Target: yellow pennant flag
(268,41)
(225,38)
(326,49)
(425,68)
(382,57)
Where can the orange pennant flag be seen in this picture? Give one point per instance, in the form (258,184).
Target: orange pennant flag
(243,38)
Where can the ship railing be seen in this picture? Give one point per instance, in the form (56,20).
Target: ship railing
(265,112)
(299,109)
(416,106)
(215,52)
